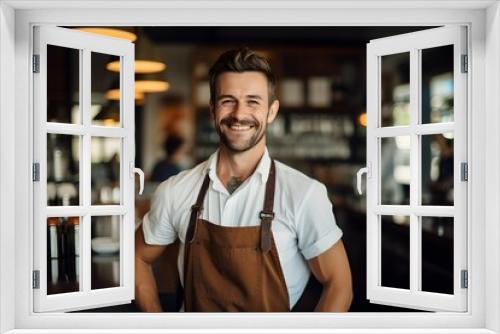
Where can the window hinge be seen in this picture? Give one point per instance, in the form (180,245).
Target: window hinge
(464,279)
(36,171)
(465,66)
(36,279)
(464,171)
(36,63)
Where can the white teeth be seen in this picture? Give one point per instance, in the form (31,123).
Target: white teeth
(240,127)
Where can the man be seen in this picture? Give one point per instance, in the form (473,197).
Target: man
(251,229)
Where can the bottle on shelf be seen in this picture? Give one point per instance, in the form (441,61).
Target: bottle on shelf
(60,161)
(72,237)
(67,192)
(53,238)
(52,198)
(338,91)
(55,255)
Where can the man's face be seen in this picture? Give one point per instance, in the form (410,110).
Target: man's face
(242,110)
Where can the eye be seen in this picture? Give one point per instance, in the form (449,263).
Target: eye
(253,102)
(225,102)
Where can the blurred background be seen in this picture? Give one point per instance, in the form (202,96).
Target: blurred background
(320,130)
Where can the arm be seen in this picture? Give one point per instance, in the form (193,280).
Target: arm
(146,292)
(332,270)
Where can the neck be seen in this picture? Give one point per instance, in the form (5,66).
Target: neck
(238,165)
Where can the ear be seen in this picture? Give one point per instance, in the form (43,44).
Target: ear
(273,111)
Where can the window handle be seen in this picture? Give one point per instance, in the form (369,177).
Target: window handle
(360,173)
(134,170)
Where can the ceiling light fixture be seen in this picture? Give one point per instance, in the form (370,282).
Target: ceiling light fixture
(113,32)
(114,95)
(151,86)
(141,66)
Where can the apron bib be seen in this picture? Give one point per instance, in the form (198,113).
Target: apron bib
(234,269)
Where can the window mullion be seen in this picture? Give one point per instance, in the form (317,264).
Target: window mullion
(415,239)
(85,105)
(127,175)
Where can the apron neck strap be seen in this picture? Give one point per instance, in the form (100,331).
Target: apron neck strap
(267,214)
(196,210)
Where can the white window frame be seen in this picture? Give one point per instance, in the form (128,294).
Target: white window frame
(483,18)
(86,44)
(413,43)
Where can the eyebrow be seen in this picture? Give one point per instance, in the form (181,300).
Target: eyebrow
(257,97)
(220,97)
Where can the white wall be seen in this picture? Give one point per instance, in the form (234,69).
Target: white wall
(492,148)
(7,168)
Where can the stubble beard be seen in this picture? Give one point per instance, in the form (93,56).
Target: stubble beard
(250,143)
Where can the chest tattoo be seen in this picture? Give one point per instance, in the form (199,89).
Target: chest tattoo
(233,184)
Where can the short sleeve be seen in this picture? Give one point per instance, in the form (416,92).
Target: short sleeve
(317,229)
(157,224)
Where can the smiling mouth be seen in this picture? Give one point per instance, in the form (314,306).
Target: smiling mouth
(239,127)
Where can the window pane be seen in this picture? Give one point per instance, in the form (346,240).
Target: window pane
(105,232)
(105,171)
(105,89)
(395,89)
(63,254)
(437,254)
(63,159)
(395,253)
(63,84)
(437,84)
(437,169)
(395,170)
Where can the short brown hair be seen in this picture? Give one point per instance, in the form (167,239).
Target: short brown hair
(242,60)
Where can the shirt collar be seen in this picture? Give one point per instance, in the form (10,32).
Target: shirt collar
(262,169)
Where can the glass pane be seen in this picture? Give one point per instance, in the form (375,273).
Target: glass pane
(395,254)
(63,160)
(395,89)
(63,254)
(395,170)
(437,254)
(437,169)
(105,90)
(63,84)
(437,84)
(105,172)
(105,234)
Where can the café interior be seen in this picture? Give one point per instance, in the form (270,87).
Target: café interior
(320,130)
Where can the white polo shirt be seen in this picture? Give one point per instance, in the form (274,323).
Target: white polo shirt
(303,227)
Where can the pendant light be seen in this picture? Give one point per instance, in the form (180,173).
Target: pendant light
(147,67)
(114,94)
(147,64)
(147,61)
(113,32)
(148,72)
(148,85)
(141,66)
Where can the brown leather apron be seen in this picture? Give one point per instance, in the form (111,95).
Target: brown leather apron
(233,268)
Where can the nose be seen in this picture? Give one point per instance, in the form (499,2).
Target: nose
(239,110)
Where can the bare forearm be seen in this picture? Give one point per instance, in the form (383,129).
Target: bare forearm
(146,292)
(334,299)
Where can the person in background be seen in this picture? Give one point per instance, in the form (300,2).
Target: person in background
(175,117)
(165,267)
(175,150)
(253,232)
